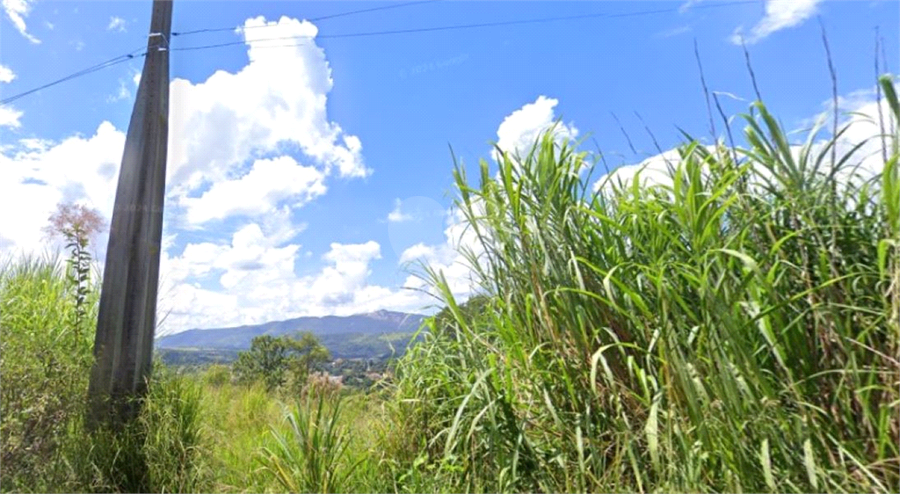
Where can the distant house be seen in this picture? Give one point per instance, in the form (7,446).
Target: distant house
(325,378)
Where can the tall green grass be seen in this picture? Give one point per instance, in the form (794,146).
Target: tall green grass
(734,329)
(45,353)
(238,420)
(311,457)
(164,450)
(46,324)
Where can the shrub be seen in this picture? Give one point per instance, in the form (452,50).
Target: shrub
(217,375)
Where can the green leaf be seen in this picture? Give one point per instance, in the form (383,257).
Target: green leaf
(651,429)
(766,461)
(810,463)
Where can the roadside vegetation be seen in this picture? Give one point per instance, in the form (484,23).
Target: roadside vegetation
(734,326)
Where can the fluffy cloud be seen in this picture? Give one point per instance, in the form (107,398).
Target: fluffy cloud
(17,11)
(260,191)
(282,104)
(6,74)
(860,110)
(252,279)
(519,130)
(255,282)
(398,216)
(214,135)
(9,116)
(116,24)
(780,14)
(230,158)
(449,258)
(40,174)
(652,171)
(347,273)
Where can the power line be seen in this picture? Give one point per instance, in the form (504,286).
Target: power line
(94,68)
(314,19)
(373,9)
(129,56)
(453,27)
(540,20)
(398,31)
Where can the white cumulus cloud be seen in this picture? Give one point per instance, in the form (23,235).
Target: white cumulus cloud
(282,104)
(453,258)
(40,174)
(260,191)
(780,14)
(449,258)
(17,11)
(255,282)
(519,130)
(6,74)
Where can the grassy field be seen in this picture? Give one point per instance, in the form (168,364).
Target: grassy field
(735,327)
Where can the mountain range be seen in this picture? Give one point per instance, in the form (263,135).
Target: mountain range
(373,334)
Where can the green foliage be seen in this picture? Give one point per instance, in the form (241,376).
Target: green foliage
(732,329)
(217,375)
(172,418)
(44,364)
(366,345)
(237,419)
(311,457)
(162,451)
(444,320)
(45,351)
(196,358)
(359,345)
(273,360)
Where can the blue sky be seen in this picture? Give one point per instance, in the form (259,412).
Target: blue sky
(301,179)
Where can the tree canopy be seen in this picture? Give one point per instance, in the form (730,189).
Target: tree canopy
(274,359)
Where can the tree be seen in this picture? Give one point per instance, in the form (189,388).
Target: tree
(309,352)
(273,360)
(77,225)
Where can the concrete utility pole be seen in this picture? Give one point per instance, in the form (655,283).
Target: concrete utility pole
(123,344)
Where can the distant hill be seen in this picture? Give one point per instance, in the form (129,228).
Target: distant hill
(372,335)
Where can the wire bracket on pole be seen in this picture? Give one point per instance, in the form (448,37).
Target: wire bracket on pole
(164,38)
